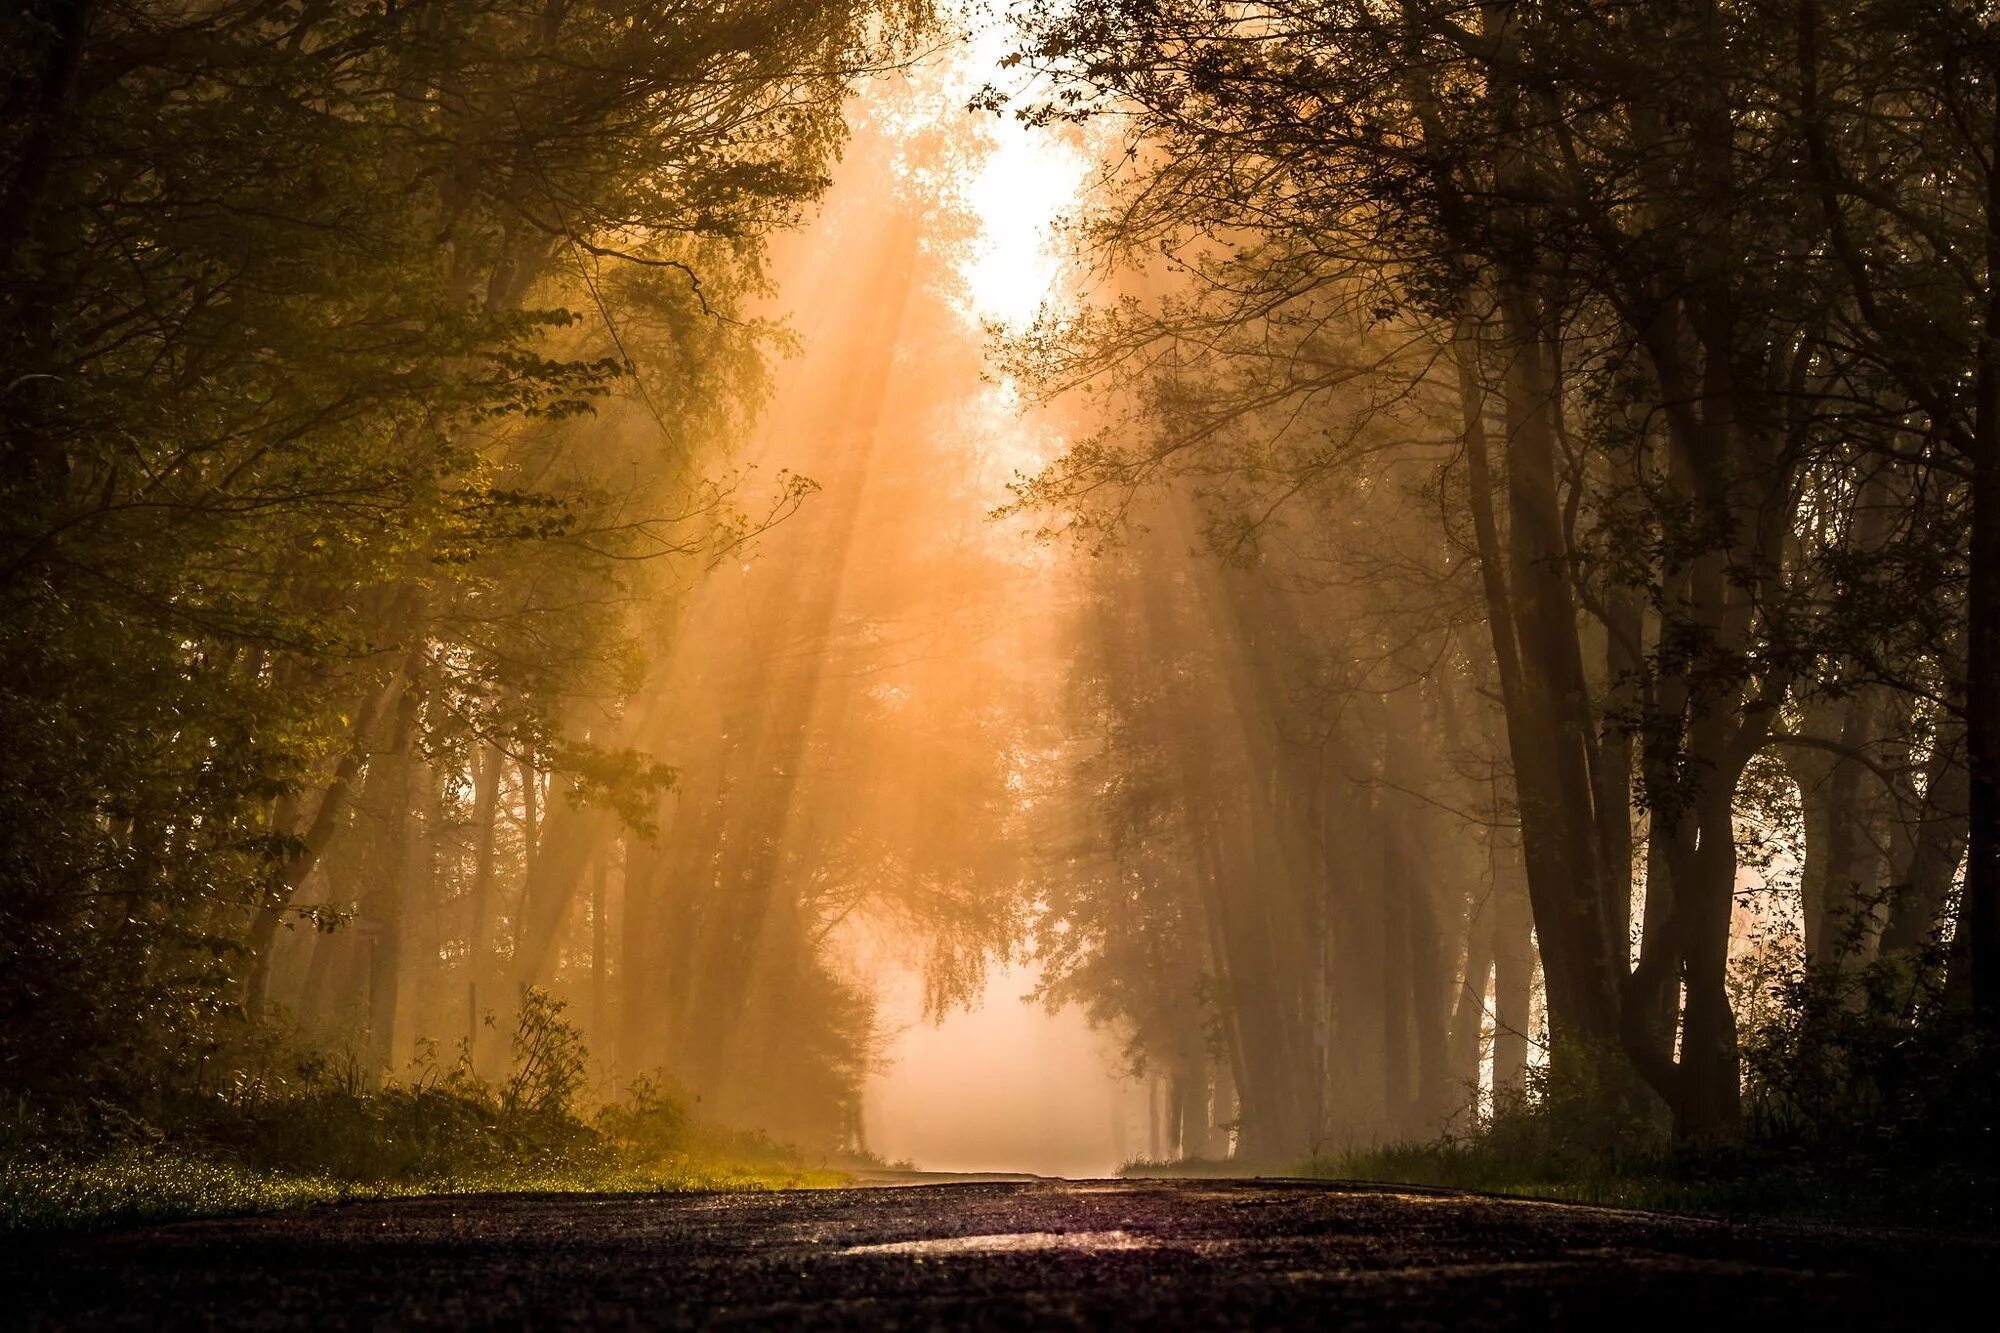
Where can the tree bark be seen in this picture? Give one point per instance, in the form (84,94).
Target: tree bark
(327,818)
(1931,859)
(488,763)
(1980,920)
(383,903)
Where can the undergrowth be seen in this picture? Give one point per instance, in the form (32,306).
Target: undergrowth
(308,1130)
(1867,1097)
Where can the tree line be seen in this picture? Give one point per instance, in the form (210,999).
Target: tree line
(368,370)
(1593,407)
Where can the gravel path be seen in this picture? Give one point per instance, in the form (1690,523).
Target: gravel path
(1128,1254)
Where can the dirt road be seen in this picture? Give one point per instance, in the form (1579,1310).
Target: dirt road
(1042,1254)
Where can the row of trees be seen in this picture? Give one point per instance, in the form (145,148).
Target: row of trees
(361,367)
(1603,457)
(1264,873)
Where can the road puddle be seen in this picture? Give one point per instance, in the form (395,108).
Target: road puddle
(1011,1242)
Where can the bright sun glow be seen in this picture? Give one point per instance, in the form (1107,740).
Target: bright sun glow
(1025,184)
(1016,192)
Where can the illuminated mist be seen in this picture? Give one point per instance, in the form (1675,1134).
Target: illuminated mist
(1051,642)
(888,650)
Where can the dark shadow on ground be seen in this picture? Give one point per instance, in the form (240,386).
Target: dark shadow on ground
(1033,1254)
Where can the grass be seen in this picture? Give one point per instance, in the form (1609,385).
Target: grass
(1465,1167)
(165,1186)
(58,1196)
(1853,1111)
(304,1131)
(1740,1183)
(1462,1167)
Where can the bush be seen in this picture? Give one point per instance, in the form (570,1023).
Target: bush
(295,1110)
(1877,1086)
(291,1126)
(1868,1093)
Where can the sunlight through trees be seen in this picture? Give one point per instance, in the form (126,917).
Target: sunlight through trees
(1431,583)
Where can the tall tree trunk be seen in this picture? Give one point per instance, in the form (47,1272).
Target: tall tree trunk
(1550,736)
(46,122)
(1217,1146)
(600,946)
(327,819)
(383,903)
(1513,995)
(1394,994)
(1837,793)
(1935,847)
(422,960)
(1468,1019)
(479,969)
(640,1023)
(1710,1101)
(1624,626)
(1980,920)
(531,853)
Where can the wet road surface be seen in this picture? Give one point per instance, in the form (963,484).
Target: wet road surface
(1013,1254)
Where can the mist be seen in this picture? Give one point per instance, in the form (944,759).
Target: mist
(856,589)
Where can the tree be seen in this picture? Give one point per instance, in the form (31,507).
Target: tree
(294,366)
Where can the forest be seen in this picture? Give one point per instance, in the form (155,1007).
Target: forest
(1429,568)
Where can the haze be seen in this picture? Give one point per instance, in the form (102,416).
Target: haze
(744,591)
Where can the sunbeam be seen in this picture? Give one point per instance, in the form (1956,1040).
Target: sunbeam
(653,597)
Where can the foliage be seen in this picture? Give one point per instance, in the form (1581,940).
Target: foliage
(1877,1079)
(1693,372)
(356,362)
(549,1060)
(1865,1099)
(321,1136)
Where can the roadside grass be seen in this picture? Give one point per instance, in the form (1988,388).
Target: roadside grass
(163,1186)
(1744,1183)
(1462,1166)
(292,1128)
(1539,1150)
(1856,1108)
(1459,1167)
(135,1188)
(1735,1183)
